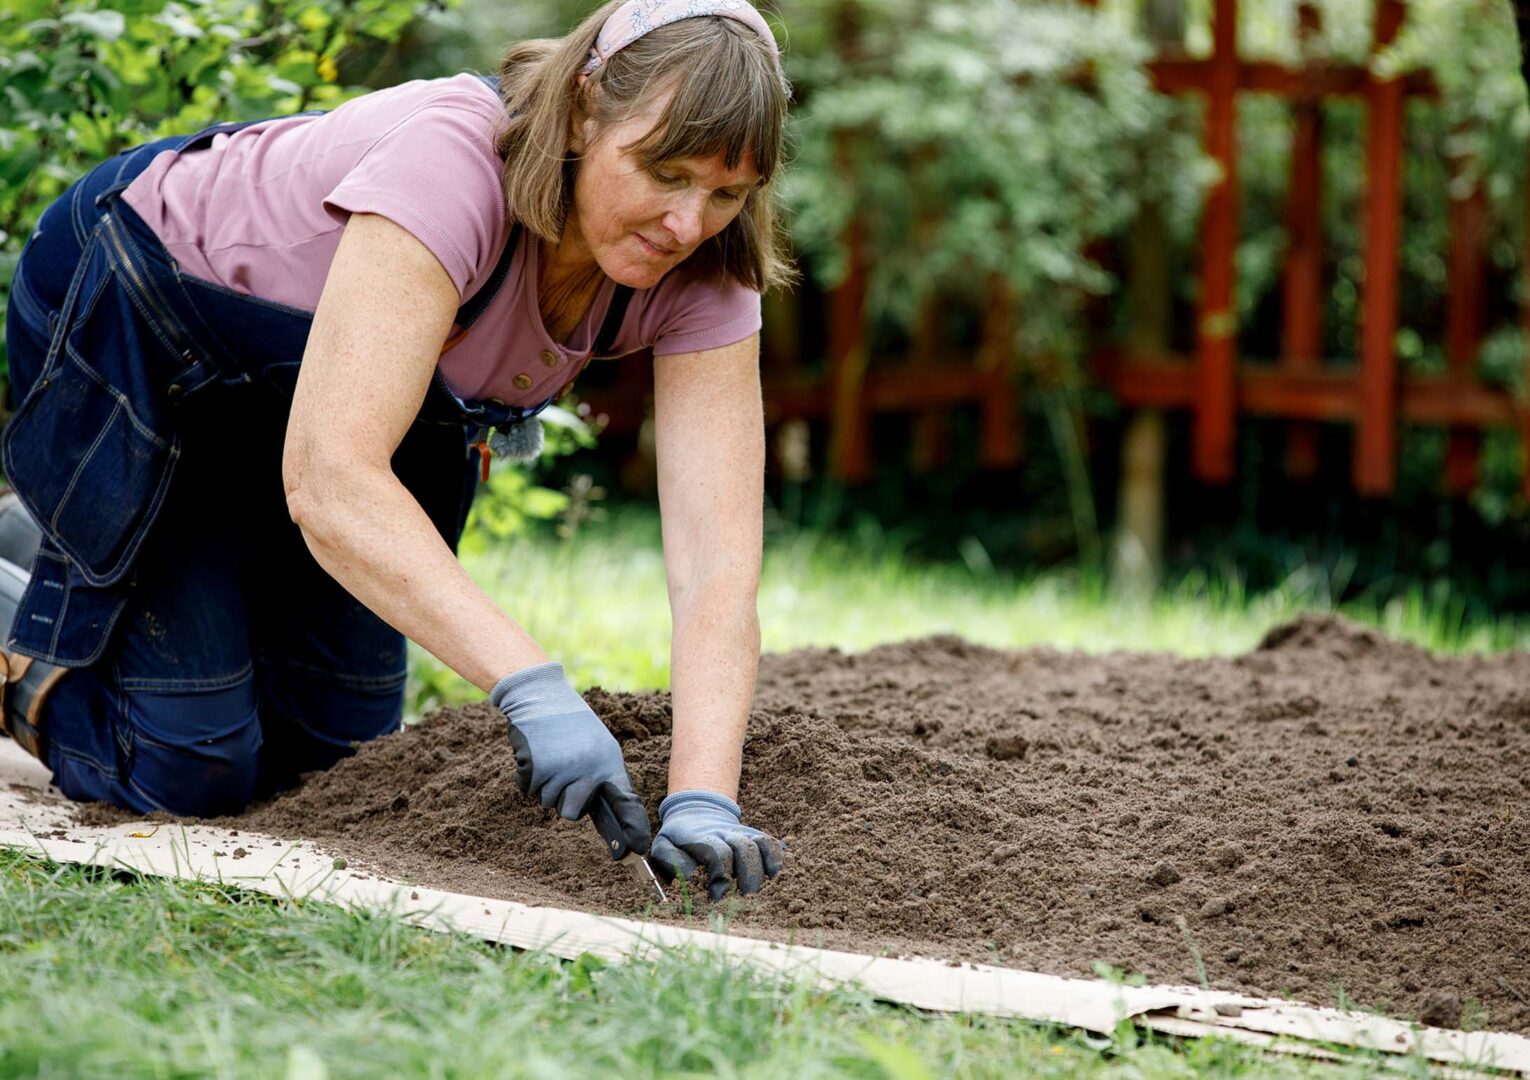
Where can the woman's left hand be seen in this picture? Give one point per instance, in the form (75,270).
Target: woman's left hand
(703,828)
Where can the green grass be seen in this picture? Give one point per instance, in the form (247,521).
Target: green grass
(110,976)
(598,604)
(116,976)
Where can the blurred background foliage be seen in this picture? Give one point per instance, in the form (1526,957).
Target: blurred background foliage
(978,138)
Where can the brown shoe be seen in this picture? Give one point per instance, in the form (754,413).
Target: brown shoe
(22,698)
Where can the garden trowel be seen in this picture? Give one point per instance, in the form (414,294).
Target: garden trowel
(611,830)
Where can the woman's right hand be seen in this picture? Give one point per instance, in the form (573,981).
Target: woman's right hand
(565,757)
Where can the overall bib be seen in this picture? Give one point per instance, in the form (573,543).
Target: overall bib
(214,659)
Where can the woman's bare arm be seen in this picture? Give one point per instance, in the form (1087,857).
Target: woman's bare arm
(386,308)
(711,448)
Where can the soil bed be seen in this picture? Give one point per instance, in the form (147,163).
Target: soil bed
(1331,817)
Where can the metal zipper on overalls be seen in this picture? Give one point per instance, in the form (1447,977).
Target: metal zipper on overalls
(109,227)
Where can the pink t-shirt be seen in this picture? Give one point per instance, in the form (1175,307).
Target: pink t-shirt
(261,211)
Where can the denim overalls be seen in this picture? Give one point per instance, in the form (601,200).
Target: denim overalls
(216,659)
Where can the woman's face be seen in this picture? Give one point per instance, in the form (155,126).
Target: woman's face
(637,223)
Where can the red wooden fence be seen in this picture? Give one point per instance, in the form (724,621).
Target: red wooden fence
(1367,391)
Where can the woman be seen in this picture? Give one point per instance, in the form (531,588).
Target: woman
(258,371)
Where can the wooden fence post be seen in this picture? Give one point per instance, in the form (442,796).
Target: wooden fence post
(1376,433)
(930,429)
(1303,278)
(1001,434)
(1136,550)
(1217,328)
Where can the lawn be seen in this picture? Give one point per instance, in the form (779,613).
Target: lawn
(104,975)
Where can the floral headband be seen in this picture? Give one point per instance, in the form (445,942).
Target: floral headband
(637,17)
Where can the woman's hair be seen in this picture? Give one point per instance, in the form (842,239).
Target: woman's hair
(729,98)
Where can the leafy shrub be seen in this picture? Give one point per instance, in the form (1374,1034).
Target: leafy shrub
(977,139)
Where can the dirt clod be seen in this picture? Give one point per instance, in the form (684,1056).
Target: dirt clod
(1439,1008)
(1006,747)
(908,837)
(1216,907)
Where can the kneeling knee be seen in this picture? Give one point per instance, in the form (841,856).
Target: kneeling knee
(194,753)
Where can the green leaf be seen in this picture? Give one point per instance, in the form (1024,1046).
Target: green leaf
(898,1061)
(178,23)
(543,503)
(300,66)
(313,18)
(106,25)
(25,10)
(582,972)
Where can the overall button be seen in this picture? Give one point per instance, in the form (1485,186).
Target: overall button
(521,381)
(175,391)
(550,358)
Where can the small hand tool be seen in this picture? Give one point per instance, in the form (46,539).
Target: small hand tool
(616,842)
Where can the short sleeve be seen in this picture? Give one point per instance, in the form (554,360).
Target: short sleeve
(435,174)
(691,315)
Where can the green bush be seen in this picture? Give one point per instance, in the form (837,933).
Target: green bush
(977,139)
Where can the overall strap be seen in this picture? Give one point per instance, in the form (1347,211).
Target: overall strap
(468,313)
(605,341)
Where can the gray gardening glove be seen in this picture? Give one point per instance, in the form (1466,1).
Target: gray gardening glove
(702,828)
(565,757)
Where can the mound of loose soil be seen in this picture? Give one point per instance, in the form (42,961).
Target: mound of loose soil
(1333,813)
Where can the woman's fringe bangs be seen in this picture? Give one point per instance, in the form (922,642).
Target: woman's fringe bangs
(728,99)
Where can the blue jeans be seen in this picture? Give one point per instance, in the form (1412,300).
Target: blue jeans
(233,662)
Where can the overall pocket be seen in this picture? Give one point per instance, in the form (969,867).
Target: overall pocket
(24,306)
(89,450)
(29,328)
